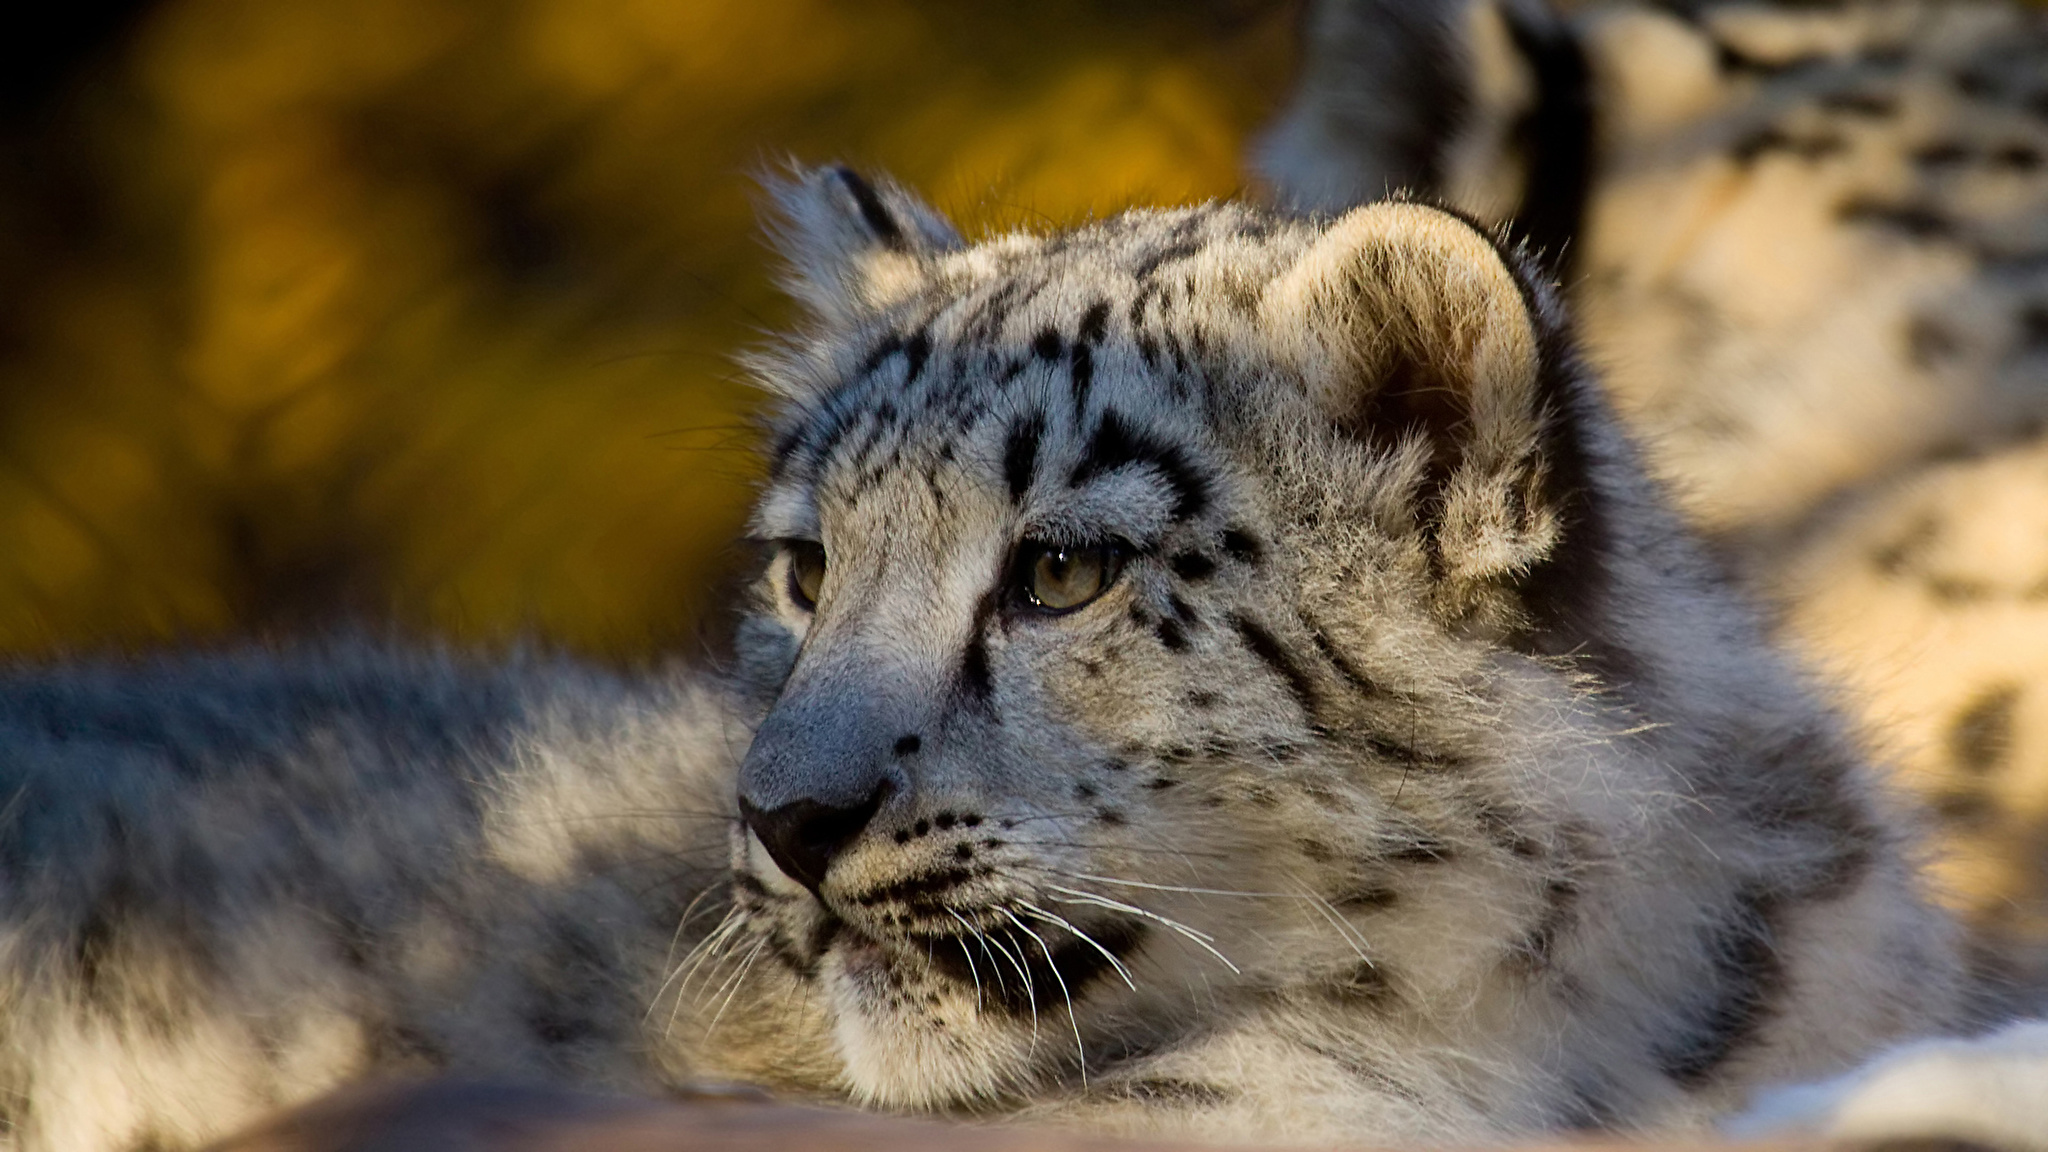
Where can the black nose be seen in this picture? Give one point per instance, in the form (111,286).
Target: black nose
(804,836)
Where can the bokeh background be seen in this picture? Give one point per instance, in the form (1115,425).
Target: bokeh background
(419,313)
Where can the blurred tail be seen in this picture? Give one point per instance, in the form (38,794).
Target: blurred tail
(1482,105)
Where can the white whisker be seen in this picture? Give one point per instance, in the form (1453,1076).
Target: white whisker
(1073,1021)
(972,969)
(1063,922)
(1199,938)
(739,978)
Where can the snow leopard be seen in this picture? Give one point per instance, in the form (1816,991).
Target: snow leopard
(1807,245)
(1213,672)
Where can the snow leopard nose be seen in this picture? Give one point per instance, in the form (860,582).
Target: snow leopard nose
(804,836)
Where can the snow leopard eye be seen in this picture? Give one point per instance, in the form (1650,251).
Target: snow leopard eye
(1061,579)
(806,571)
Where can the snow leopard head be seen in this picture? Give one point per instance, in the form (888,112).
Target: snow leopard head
(1148,610)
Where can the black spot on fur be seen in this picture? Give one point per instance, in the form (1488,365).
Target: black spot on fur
(908,745)
(1094,323)
(1279,660)
(890,346)
(2033,321)
(1504,828)
(1364,984)
(1745,973)
(916,351)
(1366,897)
(1116,445)
(1931,343)
(1816,146)
(1920,221)
(1945,154)
(1422,850)
(1803,788)
(872,211)
(2015,157)
(1203,700)
(1171,634)
(1172,252)
(974,670)
(1537,948)
(1020,455)
(1980,738)
(1970,808)
(1192,566)
(1047,345)
(1242,546)
(1358,680)
(1850,102)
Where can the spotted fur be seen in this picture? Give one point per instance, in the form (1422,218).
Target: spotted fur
(1807,244)
(1409,776)
(1415,777)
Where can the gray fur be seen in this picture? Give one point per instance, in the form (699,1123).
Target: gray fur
(1413,779)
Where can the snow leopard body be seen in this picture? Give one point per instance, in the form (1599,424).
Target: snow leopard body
(1216,673)
(1808,248)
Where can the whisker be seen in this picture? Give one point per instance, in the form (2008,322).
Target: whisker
(1053,967)
(1182,887)
(713,952)
(981,939)
(668,958)
(1200,939)
(1346,930)
(739,978)
(1063,922)
(1120,849)
(1023,973)
(968,956)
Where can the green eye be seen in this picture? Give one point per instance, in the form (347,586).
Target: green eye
(1062,579)
(806,571)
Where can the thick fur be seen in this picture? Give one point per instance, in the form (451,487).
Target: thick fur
(1809,249)
(1414,779)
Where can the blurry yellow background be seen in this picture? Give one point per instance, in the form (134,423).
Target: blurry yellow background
(363,312)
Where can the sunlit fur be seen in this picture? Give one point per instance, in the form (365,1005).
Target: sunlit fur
(1414,779)
(1440,788)
(1807,251)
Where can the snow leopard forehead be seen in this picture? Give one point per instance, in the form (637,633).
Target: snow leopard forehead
(947,359)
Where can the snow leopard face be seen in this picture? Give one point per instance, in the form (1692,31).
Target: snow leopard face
(1136,602)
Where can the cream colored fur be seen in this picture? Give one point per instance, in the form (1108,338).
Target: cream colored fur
(1812,260)
(1410,778)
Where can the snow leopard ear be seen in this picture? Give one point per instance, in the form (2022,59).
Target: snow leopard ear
(854,246)
(1413,333)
